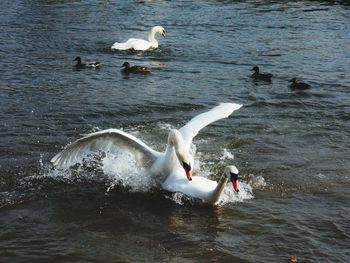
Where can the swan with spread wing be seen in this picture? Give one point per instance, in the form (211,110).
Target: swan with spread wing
(172,168)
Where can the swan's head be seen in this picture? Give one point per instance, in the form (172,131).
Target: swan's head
(175,139)
(126,65)
(159,29)
(293,80)
(255,69)
(232,174)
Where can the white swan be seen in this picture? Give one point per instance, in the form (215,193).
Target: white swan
(202,188)
(140,44)
(169,167)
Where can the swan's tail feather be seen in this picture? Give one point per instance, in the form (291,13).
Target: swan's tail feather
(120,46)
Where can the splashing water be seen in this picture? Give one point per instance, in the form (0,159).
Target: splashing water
(124,170)
(230,196)
(227,155)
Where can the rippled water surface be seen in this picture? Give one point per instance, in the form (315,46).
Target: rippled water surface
(292,148)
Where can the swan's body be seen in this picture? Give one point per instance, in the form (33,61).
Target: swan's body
(141,44)
(90,64)
(169,168)
(202,188)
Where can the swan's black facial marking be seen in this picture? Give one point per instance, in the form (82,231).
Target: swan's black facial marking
(234,180)
(187,167)
(233,176)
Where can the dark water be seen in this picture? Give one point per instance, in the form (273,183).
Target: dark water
(292,148)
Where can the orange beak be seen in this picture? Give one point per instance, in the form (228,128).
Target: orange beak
(234,179)
(187,169)
(189,175)
(235,185)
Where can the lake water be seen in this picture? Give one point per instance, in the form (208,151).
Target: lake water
(292,148)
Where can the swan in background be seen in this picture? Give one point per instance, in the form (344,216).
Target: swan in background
(140,44)
(170,167)
(91,64)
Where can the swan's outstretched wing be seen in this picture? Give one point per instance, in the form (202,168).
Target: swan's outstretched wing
(111,141)
(191,129)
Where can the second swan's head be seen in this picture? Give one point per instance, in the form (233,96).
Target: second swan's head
(231,172)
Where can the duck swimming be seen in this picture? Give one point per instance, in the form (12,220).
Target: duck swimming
(295,84)
(91,64)
(141,44)
(260,76)
(127,68)
(172,169)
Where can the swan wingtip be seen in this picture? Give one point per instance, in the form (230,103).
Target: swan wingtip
(230,106)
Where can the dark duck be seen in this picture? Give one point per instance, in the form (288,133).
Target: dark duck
(91,64)
(127,68)
(295,84)
(260,76)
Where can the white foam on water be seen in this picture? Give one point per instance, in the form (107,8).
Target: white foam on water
(227,155)
(165,126)
(179,198)
(230,196)
(124,170)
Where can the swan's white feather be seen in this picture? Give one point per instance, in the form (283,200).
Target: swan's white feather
(199,187)
(191,129)
(112,141)
(133,43)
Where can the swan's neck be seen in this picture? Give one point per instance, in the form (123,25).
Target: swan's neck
(176,141)
(219,189)
(152,39)
(174,152)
